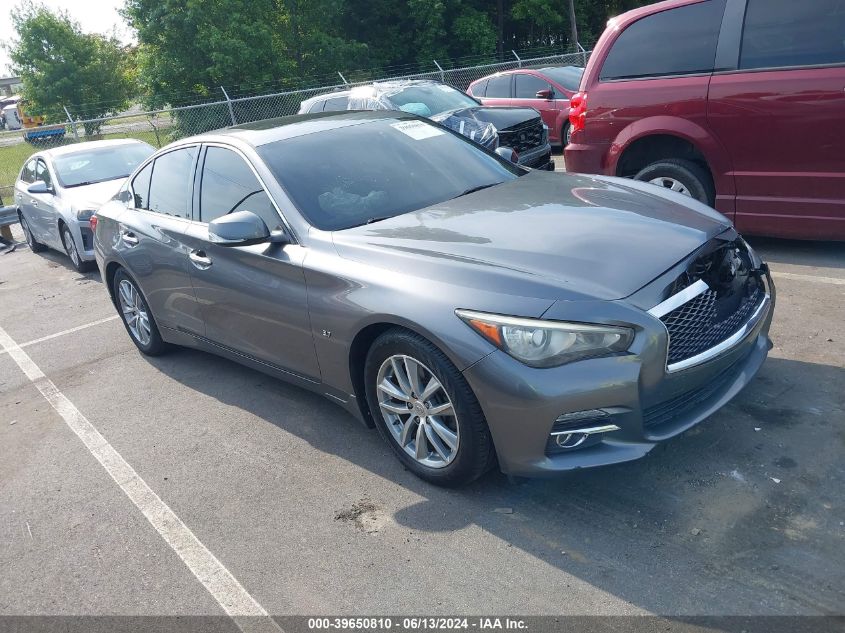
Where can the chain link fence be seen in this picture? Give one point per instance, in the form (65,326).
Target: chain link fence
(163,126)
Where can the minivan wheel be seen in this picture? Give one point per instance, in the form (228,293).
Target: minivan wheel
(34,246)
(682,176)
(426,411)
(566,134)
(136,315)
(70,248)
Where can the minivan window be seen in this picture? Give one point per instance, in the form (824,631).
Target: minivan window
(229,185)
(170,184)
(677,41)
(141,187)
(782,33)
(527,86)
(410,164)
(499,87)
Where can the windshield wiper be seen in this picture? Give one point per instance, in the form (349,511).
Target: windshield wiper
(478,188)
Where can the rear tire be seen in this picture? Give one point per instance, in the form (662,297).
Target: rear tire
(72,252)
(34,246)
(450,448)
(136,316)
(565,135)
(680,175)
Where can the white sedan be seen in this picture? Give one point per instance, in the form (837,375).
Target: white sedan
(59,189)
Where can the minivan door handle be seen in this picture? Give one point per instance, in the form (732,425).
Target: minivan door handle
(129,238)
(199,259)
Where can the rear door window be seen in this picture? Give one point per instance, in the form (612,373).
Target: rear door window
(141,187)
(229,185)
(499,87)
(783,33)
(679,41)
(28,172)
(527,86)
(170,186)
(479,89)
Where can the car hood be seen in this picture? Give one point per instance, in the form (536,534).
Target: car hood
(556,236)
(501,118)
(92,196)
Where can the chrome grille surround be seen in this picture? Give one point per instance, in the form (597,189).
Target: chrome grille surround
(694,336)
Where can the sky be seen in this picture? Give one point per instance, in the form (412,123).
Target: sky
(94,16)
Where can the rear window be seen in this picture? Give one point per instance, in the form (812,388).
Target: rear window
(568,77)
(499,87)
(335,104)
(371,170)
(781,33)
(678,41)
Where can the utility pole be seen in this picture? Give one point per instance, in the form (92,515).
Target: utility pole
(501,16)
(574,33)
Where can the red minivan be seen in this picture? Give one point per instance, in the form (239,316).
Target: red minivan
(738,103)
(546,89)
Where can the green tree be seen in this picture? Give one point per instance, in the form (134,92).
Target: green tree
(61,66)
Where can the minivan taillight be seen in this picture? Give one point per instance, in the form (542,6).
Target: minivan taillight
(578,111)
(92,222)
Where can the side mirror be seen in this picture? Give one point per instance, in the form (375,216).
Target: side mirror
(241,228)
(508,154)
(39,186)
(548,94)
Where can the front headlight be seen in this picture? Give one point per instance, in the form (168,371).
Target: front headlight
(83,215)
(540,343)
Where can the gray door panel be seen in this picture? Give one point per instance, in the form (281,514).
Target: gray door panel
(253,300)
(152,247)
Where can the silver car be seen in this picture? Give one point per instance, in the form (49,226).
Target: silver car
(59,189)
(476,312)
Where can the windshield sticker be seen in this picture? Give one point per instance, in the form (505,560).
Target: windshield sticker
(417,130)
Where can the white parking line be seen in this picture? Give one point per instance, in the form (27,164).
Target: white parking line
(812,278)
(64,332)
(247,613)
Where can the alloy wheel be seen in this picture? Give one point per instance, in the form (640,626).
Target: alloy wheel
(672,184)
(70,246)
(418,411)
(135,312)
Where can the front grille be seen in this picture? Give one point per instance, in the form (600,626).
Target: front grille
(696,326)
(523,137)
(676,407)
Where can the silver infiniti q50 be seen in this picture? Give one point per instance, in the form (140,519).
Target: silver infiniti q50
(476,312)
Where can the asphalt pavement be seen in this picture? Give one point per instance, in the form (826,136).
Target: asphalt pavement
(309,513)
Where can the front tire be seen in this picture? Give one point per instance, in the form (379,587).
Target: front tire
(70,248)
(424,408)
(34,246)
(682,176)
(136,316)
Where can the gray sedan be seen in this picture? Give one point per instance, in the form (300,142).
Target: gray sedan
(59,189)
(476,312)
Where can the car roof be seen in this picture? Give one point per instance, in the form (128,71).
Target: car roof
(73,148)
(271,130)
(386,84)
(524,69)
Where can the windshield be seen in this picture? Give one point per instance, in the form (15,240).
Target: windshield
(377,169)
(100,164)
(568,77)
(430,99)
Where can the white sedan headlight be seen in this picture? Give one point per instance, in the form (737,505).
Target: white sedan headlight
(541,343)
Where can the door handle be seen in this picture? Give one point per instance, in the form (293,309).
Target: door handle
(128,238)
(200,260)
(35,203)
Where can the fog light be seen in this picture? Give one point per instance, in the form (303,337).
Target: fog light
(580,429)
(570,440)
